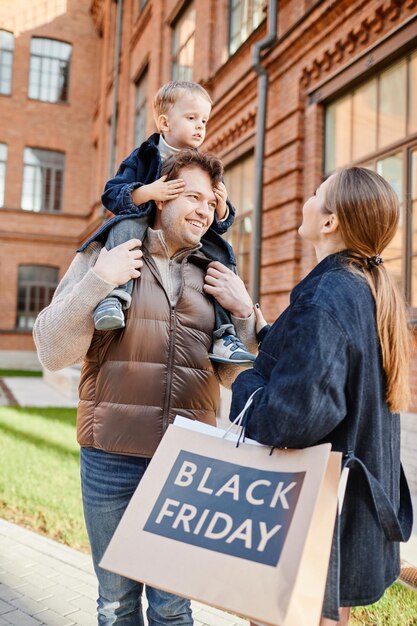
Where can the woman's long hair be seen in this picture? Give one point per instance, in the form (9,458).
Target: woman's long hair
(368,213)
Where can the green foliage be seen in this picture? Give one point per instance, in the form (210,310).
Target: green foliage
(39,473)
(19,373)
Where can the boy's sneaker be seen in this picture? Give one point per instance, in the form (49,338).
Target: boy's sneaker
(109,314)
(229,349)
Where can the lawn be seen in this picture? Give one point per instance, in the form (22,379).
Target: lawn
(40,489)
(39,477)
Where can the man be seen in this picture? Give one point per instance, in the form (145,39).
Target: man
(135,380)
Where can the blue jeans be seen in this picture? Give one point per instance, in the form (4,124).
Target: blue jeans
(108,482)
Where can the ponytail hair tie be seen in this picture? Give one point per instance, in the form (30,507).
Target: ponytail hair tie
(374,261)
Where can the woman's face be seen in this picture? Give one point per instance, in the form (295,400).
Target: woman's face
(314,214)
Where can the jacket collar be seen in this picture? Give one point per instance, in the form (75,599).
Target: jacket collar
(330,262)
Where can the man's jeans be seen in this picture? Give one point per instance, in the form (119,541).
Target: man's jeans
(108,482)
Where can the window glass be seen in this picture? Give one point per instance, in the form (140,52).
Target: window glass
(338,133)
(36,286)
(43,174)
(364,116)
(412,108)
(392,104)
(239,179)
(141,103)
(49,70)
(245,16)
(3,160)
(392,168)
(6,61)
(183,45)
(414,228)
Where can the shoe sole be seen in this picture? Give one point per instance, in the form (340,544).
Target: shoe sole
(107,324)
(221,359)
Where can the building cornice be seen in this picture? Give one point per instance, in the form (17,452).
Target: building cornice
(381,20)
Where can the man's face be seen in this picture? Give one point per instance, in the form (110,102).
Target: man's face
(184,220)
(184,125)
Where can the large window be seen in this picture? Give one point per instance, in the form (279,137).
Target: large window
(3,161)
(183,44)
(36,288)
(244,17)
(43,177)
(6,61)
(239,178)
(375,125)
(141,104)
(49,70)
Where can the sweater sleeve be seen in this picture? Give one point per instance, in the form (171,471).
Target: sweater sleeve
(303,398)
(63,330)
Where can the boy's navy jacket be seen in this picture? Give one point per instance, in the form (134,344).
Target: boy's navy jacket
(321,379)
(142,167)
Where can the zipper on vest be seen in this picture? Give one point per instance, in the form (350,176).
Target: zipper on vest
(172,339)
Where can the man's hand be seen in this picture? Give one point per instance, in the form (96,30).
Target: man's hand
(162,191)
(221,197)
(120,264)
(228,289)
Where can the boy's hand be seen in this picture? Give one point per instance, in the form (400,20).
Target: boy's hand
(221,196)
(260,320)
(162,191)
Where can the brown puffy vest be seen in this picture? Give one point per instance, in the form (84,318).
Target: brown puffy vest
(134,381)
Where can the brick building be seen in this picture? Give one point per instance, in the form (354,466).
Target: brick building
(340,78)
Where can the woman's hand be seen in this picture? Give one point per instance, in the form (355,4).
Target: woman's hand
(260,320)
(228,289)
(118,265)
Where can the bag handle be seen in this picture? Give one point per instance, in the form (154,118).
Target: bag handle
(239,419)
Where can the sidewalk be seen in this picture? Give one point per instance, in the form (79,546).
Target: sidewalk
(44,583)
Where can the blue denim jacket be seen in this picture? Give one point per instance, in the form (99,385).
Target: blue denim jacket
(321,377)
(142,167)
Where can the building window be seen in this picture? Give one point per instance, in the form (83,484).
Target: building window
(183,45)
(43,177)
(3,161)
(36,288)
(6,61)
(142,4)
(239,178)
(244,17)
(141,104)
(49,70)
(375,125)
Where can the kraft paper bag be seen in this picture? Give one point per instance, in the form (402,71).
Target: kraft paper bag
(239,528)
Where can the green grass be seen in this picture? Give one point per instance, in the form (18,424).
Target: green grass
(19,373)
(397,607)
(39,473)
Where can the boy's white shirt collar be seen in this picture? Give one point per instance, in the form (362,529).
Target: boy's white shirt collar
(165,149)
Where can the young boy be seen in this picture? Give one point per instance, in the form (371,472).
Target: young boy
(181,111)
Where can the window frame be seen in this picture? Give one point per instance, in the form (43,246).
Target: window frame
(232,10)
(405,145)
(3,171)
(143,79)
(175,52)
(32,289)
(8,52)
(26,179)
(43,60)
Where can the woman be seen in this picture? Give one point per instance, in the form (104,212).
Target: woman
(333,368)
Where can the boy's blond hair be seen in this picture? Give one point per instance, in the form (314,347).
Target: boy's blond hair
(171,92)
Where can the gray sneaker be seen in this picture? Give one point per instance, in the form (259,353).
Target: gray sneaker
(109,314)
(229,349)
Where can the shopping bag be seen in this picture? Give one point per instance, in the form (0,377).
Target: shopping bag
(235,526)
